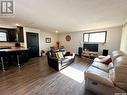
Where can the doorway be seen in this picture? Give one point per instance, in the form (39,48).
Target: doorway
(32,44)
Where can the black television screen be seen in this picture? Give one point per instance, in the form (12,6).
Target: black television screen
(91,47)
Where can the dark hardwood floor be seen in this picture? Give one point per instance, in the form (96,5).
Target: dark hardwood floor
(36,78)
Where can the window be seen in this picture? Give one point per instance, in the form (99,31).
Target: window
(95,37)
(3,36)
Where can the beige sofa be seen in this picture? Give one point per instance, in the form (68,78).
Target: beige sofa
(108,79)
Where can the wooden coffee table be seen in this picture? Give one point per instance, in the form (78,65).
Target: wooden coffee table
(90,54)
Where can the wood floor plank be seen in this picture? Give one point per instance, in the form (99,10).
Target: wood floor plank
(37,78)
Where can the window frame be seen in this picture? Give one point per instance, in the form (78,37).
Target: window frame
(93,33)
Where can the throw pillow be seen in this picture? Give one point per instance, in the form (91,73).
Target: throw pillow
(59,55)
(106,60)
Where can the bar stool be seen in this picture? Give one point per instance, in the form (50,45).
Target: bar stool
(3,54)
(18,54)
(2,60)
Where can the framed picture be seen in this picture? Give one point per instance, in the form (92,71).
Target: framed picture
(48,40)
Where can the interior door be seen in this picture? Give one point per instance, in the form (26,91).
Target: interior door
(32,44)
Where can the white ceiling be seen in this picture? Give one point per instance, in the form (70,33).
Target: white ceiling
(68,15)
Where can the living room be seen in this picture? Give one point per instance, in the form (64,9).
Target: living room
(29,30)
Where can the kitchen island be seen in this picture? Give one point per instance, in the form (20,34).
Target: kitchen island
(18,51)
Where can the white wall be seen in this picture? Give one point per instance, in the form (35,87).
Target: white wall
(42,35)
(112,42)
(46,46)
(123,46)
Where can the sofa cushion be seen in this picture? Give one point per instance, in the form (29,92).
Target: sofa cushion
(111,74)
(120,72)
(122,60)
(99,76)
(101,66)
(121,69)
(116,54)
(71,56)
(97,59)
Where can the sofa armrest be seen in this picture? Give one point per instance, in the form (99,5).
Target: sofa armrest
(99,76)
(73,54)
(55,63)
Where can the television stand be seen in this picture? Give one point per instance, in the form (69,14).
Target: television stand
(90,54)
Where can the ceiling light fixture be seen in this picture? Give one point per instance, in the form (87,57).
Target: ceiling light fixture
(17,24)
(56,31)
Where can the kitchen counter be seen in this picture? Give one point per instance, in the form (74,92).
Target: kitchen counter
(12,51)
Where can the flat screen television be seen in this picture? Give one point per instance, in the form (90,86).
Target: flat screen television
(91,47)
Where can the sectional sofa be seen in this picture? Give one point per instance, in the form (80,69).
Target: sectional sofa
(108,79)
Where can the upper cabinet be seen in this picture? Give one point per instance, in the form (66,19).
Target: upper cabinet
(12,34)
